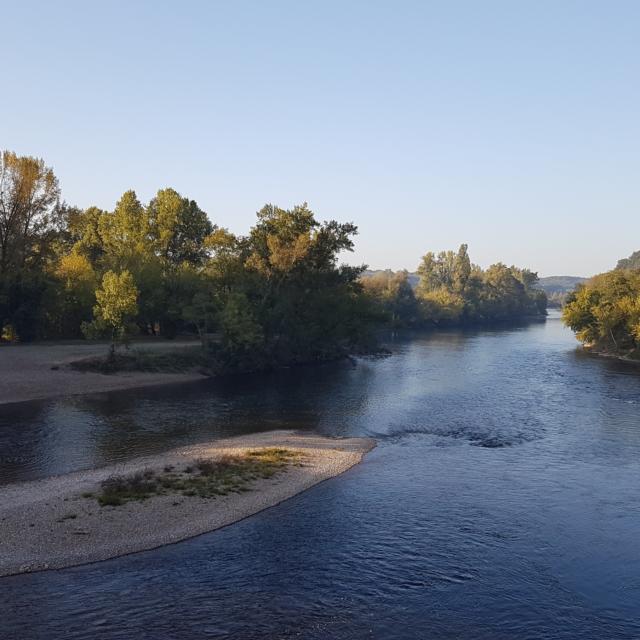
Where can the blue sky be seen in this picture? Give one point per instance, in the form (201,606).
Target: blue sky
(512,126)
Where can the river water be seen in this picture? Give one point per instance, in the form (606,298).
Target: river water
(502,501)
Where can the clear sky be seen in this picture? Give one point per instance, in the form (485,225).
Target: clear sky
(513,126)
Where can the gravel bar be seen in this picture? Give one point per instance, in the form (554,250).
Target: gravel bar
(48,524)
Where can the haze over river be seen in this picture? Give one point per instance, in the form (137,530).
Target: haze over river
(502,501)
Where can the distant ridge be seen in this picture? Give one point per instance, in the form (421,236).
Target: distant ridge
(560,284)
(558,287)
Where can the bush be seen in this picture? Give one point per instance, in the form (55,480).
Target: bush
(9,334)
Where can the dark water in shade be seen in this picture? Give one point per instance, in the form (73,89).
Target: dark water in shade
(503,501)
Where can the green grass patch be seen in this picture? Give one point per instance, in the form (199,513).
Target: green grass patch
(205,478)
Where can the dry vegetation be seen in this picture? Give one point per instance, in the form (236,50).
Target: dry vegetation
(206,478)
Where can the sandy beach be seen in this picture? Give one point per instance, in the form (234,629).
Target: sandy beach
(39,371)
(50,523)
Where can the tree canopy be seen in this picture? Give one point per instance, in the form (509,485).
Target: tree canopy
(452,291)
(632,262)
(605,312)
(278,294)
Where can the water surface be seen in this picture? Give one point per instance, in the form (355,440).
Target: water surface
(503,501)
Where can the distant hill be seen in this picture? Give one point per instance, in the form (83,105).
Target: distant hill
(560,284)
(557,288)
(413,277)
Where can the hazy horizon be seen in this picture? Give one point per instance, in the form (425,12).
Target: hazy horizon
(512,128)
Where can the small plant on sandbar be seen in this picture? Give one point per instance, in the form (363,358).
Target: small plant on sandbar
(206,478)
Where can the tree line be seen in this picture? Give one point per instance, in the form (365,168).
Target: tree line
(452,291)
(604,312)
(277,294)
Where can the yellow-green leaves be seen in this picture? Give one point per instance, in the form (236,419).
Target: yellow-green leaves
(116,302)
(125,233)
(453,291)
(605,312)
(75,270)
(28,194)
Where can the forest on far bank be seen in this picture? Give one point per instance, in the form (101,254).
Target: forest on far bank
(275,295)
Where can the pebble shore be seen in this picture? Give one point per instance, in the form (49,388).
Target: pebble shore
(48,524)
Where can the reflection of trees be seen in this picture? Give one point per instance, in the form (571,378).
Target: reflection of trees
(43,438)
(132,423)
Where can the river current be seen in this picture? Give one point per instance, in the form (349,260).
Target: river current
(502,501)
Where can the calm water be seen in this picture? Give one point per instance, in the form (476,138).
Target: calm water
(503,501)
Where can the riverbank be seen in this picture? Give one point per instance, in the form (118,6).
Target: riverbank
(40,371)
(58,522)
(631,356)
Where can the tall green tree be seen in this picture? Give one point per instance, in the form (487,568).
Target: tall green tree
(179,228)
(73,297)
(116,307)
(126,234)
(303,297)
(29,192)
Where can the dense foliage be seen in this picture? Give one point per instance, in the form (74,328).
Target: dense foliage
(632,262)
(275,295)
(453,291)
(605,312)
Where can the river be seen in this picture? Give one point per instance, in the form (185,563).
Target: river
(502,501)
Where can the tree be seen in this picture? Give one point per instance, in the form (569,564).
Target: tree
(305,303)
(178,228)
(83,229)
(240,330)
(632,262)
(447,270)
(29,192)
(275,295)
(190,301)
(393,294)
(75,294)
(605,311)
(125,234)
(452,290)
(441,306)
(116,306)
(202,311)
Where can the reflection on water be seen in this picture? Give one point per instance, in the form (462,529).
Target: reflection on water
(502,501)
(44,438)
